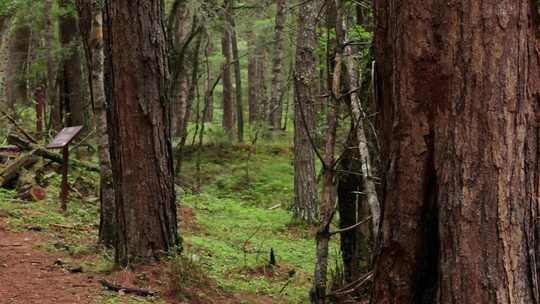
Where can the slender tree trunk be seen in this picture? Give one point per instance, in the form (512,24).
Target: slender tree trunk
(71,94)
(5,23)
(139,126)
(305,186)
(369,189)
(354,243)
(237,74)
(276,108)
(178,23)
(253,101)
(55,114)
(458,91)
(91,28)
(228,115)
(209,99)
(262,96)
(17,85)
(318,291)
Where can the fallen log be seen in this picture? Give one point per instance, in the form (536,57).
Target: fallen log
(11,170)
(26,145)
(129,290)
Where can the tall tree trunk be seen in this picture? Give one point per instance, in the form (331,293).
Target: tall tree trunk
(71,94)
(237,73)
(354,243)
(369,189)
(209,91)
(226,47)
(262,89)
(91,27)
(5,23)
(276,108)
(55,114)
(178,25)
(318,291)
(253,101)
(17,85)
(305,186)
(139,126)
(458,91)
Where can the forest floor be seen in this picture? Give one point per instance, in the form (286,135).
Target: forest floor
(238,214)
(32,275)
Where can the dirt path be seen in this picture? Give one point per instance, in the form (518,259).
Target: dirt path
(28,275)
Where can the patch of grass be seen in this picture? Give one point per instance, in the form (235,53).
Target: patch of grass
(237,212)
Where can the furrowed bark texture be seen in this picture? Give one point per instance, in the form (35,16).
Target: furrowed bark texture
(458,97)
(305,186)
(139,130)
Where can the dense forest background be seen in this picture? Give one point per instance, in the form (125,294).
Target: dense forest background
(252,196)
(323,151)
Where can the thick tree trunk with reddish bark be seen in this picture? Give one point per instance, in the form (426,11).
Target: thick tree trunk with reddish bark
(139,129)
(458,86)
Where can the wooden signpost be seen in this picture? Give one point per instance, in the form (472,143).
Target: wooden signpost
(62,141)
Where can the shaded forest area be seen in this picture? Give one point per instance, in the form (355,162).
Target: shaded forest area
(242,151)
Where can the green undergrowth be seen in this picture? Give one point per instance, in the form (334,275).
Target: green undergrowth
(242,213)
(229,228)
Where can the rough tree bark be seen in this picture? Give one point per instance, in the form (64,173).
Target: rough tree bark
(70,81)
(139,126)
(458,86)
(91,28)
(276,108)
(305,186)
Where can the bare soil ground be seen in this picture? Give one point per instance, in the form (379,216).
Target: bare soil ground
(28,275)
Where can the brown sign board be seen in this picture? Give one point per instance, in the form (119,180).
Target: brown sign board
(65,137)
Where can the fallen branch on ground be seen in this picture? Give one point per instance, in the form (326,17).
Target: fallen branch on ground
(129,290)
(43,152)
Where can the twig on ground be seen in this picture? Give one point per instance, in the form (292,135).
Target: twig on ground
(130,290)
